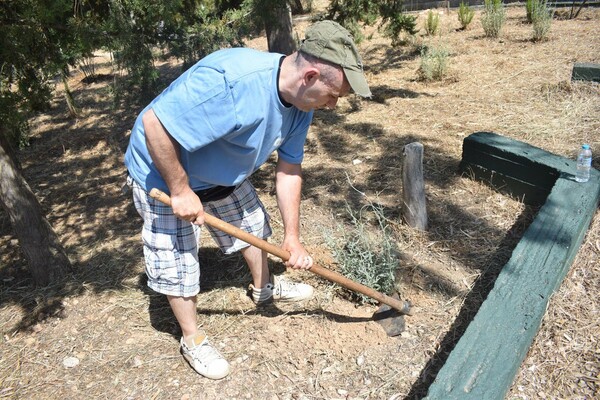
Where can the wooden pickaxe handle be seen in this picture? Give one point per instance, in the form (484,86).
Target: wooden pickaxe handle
(401,306)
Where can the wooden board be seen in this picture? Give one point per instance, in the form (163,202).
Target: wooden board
(586,72)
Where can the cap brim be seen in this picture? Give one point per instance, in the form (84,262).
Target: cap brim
(358,82)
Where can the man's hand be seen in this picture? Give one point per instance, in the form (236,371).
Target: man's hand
(299,257)
(288,183)
(188,207)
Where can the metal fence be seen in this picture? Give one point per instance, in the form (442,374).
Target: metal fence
(417,5)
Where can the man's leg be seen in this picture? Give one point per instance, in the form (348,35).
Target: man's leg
(173,269)
(257,262)
(262,289)
(184,309)
(195,347)
(243,209)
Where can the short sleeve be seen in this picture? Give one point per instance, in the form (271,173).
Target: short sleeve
(197,110)
(292,148)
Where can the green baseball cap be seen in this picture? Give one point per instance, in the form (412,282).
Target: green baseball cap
(329,41)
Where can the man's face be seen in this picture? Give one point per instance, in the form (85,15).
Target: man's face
(324,93)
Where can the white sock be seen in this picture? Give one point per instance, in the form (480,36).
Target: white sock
(264,294)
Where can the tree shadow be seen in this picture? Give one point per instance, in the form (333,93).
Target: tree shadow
(393,57)
(382,93)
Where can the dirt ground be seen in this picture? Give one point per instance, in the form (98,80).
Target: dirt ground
(104,335)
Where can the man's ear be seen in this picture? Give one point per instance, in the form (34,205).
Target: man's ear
(311,75)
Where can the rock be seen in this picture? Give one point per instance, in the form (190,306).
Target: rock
(137,361)
(71,362)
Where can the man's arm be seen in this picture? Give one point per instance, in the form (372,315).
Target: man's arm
(164,151)
(288,183)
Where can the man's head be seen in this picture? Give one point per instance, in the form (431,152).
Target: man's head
(331,42)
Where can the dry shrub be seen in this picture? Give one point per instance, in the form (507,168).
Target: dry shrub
(364,254)
(465,15)
(434,62)
(493,17)
(541,18)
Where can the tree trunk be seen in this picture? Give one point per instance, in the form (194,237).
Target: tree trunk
(414,208)
(73,111)
(297,7)
(279,30)
(9,149)
(47,259)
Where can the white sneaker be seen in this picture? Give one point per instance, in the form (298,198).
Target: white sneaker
(204,358)
(281,290)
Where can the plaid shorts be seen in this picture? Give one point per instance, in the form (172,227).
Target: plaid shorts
(171,244)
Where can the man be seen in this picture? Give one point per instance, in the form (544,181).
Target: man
(203,137)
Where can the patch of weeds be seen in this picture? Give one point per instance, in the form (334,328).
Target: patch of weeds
(434,62)
(493,17)
(364,254)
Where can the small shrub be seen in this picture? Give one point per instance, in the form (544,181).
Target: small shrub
(541,18)
(529,6)
(365,256)
(493,17)
(465,15)
(434,63)
(432,23)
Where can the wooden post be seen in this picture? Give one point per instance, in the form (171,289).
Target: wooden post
(414,209)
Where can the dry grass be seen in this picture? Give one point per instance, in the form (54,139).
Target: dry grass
(125,337)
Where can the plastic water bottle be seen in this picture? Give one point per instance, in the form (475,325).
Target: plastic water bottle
(584,163)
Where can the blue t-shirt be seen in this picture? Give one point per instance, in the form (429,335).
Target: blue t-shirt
(226,114)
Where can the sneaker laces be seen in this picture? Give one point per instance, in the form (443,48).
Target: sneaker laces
(204,352)
(283,288)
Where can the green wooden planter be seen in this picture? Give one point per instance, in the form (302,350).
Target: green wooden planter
(586,72)
(487,357)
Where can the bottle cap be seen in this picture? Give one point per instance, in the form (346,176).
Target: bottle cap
(585,147)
